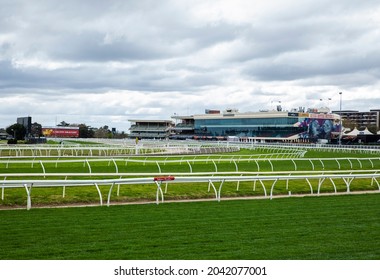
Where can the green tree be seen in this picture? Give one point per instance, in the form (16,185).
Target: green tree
(85,131)
(36,129)
(372,128)
(103,132)
(16,130)
(347,123)
(63,123)
(120,135)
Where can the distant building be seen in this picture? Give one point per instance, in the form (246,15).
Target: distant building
(184,129)
(4,136)
(358,119)
(295,126)
(150,129)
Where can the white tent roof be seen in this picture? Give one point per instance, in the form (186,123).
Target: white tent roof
(353,132)
(365,132)
(356,132)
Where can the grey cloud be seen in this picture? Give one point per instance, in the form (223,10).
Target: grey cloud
(297,67)
(161,52)
(119,31)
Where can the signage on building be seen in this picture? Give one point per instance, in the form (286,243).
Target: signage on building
(62,132)
(305,115)
(292,114)
(321,116)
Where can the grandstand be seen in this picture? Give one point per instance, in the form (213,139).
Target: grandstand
(284,126)
(150,129)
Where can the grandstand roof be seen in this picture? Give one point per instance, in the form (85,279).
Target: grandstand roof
(151,121)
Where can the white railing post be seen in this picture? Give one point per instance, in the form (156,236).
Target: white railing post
(100,194)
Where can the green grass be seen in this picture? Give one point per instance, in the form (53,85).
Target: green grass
(335,227)
(128,193)
(53,196)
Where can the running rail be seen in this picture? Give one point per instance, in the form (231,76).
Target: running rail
(28,184)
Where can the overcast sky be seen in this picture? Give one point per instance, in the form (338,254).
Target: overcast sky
(102,62)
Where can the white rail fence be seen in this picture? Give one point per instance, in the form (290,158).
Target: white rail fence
(346,167)
(29,184)
(294,163)
(357,149)
(114,147)
(264,171)
(144,147)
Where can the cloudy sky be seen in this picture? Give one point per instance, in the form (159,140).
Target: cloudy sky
(102,62)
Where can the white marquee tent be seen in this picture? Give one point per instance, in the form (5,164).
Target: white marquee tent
(365,132)
(353,132)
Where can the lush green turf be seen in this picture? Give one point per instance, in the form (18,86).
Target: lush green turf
(336,227)
(40,196)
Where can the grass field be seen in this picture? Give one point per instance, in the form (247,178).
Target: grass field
(73,195)
(331,227)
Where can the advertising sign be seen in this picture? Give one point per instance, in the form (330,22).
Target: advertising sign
(62,132)
(292,114)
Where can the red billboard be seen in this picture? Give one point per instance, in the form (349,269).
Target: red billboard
(62,132)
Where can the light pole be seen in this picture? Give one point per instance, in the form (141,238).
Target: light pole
(340,113)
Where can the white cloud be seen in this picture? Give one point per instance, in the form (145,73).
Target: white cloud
(102,62)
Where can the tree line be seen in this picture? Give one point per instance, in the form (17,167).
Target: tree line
(19,132)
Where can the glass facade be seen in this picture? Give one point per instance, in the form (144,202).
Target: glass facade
(248,127)
(291,125)
(305,128)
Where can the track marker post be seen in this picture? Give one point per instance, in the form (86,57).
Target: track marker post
(158,181)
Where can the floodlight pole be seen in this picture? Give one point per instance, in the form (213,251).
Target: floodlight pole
(341,122)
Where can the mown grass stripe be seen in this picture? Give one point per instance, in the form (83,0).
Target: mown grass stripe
(336,227)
